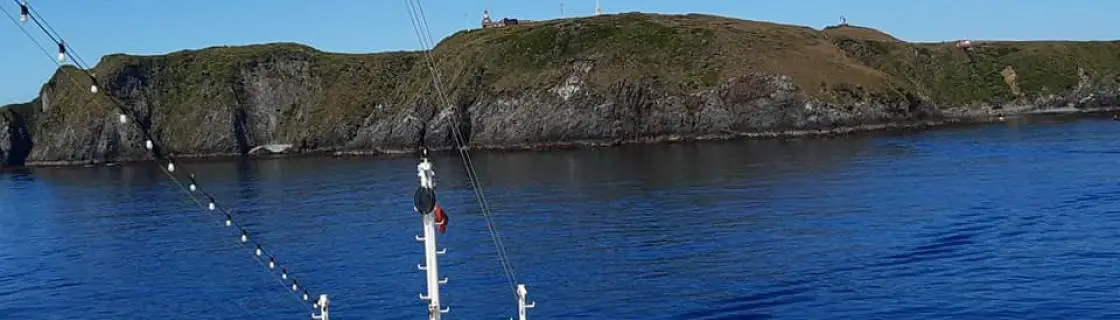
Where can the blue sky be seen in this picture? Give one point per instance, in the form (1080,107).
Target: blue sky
(95,28)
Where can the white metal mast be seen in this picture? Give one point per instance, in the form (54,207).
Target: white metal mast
(322,305)
(425,205)
(521,305)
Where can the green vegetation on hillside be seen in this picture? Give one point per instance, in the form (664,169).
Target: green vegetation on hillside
(857,32)
(679,54)
(685,53)
(25,111)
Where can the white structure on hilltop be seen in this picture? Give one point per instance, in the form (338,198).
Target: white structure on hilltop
(598,8)
(486,22)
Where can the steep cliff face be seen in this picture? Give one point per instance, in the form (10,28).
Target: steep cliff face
(16,123)
(606,79)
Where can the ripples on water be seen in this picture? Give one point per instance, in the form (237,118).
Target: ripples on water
(1001,221)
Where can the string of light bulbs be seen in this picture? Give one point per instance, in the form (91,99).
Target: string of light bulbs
(193,189)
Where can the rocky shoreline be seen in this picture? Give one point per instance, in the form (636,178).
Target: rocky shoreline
(966,119)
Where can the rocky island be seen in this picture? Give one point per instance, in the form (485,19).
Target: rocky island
(595,80)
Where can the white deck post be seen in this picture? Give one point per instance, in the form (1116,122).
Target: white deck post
(521,305)
(322,305)
(431,260)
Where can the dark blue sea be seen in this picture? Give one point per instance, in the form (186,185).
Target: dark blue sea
(1014,220)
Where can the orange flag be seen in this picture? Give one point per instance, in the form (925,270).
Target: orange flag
(441,219)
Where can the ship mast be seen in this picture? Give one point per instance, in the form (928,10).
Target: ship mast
(323,307)
(425,205)
(522,306)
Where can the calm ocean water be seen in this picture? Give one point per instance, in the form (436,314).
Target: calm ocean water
(1011,220)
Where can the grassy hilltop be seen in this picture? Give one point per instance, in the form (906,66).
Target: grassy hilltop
(691,52)
(290,92)
(684,53)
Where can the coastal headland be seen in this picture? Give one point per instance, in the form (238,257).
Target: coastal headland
(606,79)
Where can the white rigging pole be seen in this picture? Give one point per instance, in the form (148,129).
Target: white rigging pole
(521,305)
(425,203)
(322,305)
